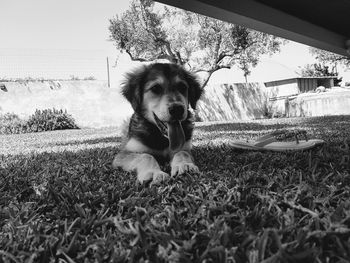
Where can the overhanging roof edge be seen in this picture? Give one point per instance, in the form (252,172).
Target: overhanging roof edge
(260,17)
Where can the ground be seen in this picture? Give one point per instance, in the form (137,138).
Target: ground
(60,198)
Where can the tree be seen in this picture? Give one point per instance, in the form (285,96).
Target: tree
(326,57)
(148,31)
(318,70)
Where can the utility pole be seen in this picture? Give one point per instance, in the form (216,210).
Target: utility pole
(109,83)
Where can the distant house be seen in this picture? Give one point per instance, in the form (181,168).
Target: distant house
(281,89)
(281,93)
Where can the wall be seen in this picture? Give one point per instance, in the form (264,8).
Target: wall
(91,103)
(333,102)
(240,101)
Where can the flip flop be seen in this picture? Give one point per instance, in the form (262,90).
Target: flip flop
(269,142)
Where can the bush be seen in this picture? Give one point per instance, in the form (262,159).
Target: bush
(50,120)
(10,123)
(41,120)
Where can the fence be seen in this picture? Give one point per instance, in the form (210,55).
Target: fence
(53,64)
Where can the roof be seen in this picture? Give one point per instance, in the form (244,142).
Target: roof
(324,24)
(293,80)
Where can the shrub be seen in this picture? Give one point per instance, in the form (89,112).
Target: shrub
(72,77)
(49,120)
(10,123)
(90,78)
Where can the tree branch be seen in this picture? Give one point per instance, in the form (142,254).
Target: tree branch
(210,72)
(134,58)
(224,55)
(168,53)
(231,54)
(155,57)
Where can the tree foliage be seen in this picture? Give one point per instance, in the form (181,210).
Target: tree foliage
(326,57)
(320,70)
(149,31)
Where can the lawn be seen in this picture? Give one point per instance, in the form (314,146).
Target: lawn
(60,200)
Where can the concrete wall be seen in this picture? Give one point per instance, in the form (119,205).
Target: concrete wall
(91,103)
(240,101)
(334,102)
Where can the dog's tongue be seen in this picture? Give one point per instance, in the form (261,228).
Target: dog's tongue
(176,135)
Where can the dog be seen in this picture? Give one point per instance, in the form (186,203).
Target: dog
(161,126)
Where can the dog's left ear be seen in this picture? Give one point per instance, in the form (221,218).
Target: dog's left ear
(194,89)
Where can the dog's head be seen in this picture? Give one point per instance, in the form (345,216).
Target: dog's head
(162,92)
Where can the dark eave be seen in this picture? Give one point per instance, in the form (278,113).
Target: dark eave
(324,24)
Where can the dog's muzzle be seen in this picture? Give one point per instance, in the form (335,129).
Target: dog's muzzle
(176,111)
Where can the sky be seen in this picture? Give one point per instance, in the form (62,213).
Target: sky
(57,39)
(70,38)
(57,24)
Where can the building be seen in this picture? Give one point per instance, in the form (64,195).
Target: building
(282,89)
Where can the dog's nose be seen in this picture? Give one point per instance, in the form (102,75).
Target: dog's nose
(176,111)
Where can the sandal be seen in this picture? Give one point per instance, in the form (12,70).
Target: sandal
(270,142)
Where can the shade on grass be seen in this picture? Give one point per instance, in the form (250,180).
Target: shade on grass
(61,199)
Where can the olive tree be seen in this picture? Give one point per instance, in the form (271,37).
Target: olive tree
(148,31)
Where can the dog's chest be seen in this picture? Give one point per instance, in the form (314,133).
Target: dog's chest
(135,145)
(145,137)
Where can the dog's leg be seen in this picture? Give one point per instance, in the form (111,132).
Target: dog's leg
(182,162)
(146,166)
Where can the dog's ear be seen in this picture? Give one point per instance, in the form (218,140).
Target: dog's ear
(194,89)
(132,88)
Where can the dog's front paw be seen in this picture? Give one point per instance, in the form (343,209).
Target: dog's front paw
(182,168)
(156,176)
(160,177)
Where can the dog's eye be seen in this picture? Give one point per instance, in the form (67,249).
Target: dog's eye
(157,89)
(182,88)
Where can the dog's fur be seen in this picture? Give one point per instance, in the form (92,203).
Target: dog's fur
(159,92)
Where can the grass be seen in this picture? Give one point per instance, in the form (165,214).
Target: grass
(60,201)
